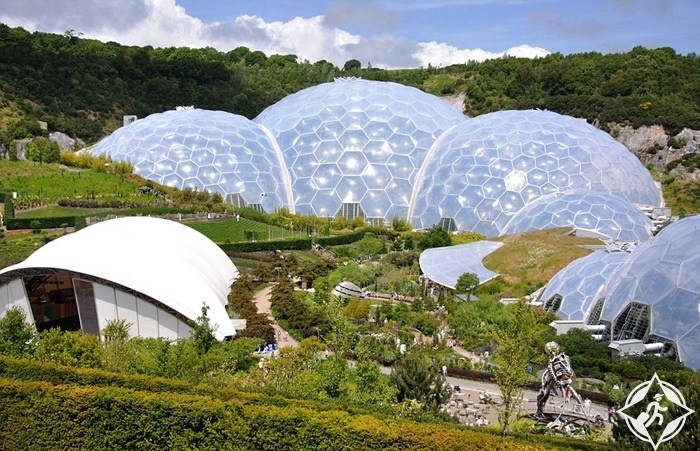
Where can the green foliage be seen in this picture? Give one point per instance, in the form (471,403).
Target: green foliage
(69,348)
(417,377)
(352,65)
(513,354)
(232,248)
(54,222)
(43,150)
(434,237)
(17,336)
(116,331)
(296,310)
(400,224)
(203,332)
(116,418)
(466,283)
(240,302)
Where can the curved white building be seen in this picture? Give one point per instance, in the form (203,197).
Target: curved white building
(155,274)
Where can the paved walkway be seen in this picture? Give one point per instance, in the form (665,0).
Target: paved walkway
(262,302)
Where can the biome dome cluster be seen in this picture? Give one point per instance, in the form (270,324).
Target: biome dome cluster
(381,150)
(651,293)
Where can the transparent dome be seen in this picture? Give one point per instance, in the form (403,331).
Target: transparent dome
(205,150)
(571,292)
(656,293)
(602,214)
(356,143)
(488,168)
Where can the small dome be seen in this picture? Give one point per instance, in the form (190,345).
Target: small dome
(572,291)
(604,215)
(356,143)
(485,170)
(205,150)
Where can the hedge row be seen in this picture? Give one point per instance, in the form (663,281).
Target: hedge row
(253,246)
(45,223)
(44,416)
(341,239)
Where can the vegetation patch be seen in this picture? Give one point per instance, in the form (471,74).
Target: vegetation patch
(527,261)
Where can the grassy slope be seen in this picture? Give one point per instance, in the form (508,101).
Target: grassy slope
(528,260)
(53,181)
(233,230)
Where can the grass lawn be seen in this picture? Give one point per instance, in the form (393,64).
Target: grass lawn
(51,182)
(231,230)
(528,260)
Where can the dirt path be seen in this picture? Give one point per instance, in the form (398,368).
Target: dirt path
(262,302)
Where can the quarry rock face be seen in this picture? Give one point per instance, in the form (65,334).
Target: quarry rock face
(654,146)
(64,141)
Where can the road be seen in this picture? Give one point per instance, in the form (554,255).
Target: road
(470,389)
(262,302)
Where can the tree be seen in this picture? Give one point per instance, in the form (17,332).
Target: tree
(417,377)
(43,150)
(434,237)
(511,359)
(466,283)
(352,65)
(203,333)
(17,336)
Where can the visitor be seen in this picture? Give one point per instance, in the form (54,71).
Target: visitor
(587,404)
(611,414)
(444,373)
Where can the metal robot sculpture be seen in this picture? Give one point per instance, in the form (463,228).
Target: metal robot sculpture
(557,376)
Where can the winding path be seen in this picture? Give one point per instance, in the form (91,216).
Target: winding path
(262,302)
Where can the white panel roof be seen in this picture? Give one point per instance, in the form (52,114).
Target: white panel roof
(444,265)
(162,259)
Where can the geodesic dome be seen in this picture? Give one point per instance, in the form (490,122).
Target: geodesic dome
(572,291)
(601,214)
(353,147)
(655,295)
(488,168)
(205,150)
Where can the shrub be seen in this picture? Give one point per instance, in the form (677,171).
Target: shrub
(17,336)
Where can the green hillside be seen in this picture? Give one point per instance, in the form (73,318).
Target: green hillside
(83,87)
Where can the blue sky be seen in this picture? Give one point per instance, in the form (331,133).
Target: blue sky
(564,26)
(389,33)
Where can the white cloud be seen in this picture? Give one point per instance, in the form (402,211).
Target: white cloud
(442,54)
(165,23)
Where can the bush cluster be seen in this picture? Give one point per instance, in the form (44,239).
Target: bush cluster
(45,223)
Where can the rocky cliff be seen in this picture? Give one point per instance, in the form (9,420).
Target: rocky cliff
(679,154)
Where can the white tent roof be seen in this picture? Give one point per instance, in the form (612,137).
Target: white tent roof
(165,260)
(444,265)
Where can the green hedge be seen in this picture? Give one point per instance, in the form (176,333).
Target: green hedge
(45,223)
(341,239)
(43,416)
(252,246)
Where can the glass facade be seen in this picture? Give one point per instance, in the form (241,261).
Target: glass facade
(572,291)
(488,168)
(606,215)
(204,150)
(357,141)
(662,276)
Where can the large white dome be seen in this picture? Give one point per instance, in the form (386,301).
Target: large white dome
(357,142)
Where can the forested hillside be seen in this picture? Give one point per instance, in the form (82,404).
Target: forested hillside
(83,87)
